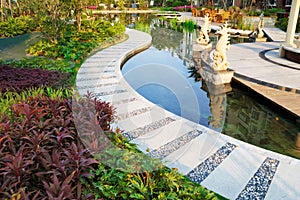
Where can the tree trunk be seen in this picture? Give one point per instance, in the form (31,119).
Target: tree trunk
(10,8)
(3,10)
(2,17)
(224,4)
(19,9)
(78,20)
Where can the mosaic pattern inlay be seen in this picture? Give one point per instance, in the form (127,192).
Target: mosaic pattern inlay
(109,93)
(134,113)
(203,170)
(96,72)
(150,127)
(124,101)
(259,184)
(172,146)
(96,86)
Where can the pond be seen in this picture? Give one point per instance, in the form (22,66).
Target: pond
(167,75)
(14,48)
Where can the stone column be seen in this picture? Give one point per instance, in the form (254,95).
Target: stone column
(291,29)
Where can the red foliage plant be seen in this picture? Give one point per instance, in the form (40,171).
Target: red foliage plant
(41,155)
(18,79)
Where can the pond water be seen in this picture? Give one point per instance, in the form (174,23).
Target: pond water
(167,75)
(14,48)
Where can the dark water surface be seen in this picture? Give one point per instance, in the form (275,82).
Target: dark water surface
(14,48)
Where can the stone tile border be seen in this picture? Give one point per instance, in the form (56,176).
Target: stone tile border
(172,146)
(259,184)
(99,94)
(204,169)
(262,54)
(147,128)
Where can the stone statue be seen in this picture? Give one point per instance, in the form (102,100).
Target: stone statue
(219,55)
(260,26)
(203,38)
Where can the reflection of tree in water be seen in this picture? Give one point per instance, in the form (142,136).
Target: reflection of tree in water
(143,23)
(256,124)
(194,73)
(166,39)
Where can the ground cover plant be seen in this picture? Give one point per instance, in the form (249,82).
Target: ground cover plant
(17,26)
(18,79)
(41,63)
(138,176)
(41,155)
(75,44)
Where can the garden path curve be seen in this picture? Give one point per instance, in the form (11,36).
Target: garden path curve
(225,165)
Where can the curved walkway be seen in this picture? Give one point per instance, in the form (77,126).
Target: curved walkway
(260,62)
(232,168)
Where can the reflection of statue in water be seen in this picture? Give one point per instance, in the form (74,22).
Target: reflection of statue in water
(223,44)
(260,26)
(203,38)
(218,98)
(218,110)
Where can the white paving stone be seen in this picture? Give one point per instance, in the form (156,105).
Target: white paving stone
(231,176)
(190,155)
(285,182)
(168,133)
(155,114)
(260,69)
(131,106)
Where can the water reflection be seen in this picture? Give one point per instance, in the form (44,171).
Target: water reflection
(235,113)
(256,123)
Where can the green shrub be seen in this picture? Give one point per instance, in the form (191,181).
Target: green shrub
(282,23)
(188,25)
(41,63)
(76,45)
(17,26)
(166,9)
(178,3)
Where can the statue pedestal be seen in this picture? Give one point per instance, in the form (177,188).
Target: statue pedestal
(210,74)
(201,47)
(216,77)
(264,39)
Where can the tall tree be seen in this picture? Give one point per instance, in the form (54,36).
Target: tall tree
(52,16)
(79,7)
(3,10)
(10,8)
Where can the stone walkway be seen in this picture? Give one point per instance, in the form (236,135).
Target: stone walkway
(266,73)
(272,71)
(263,70)
(232,168)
